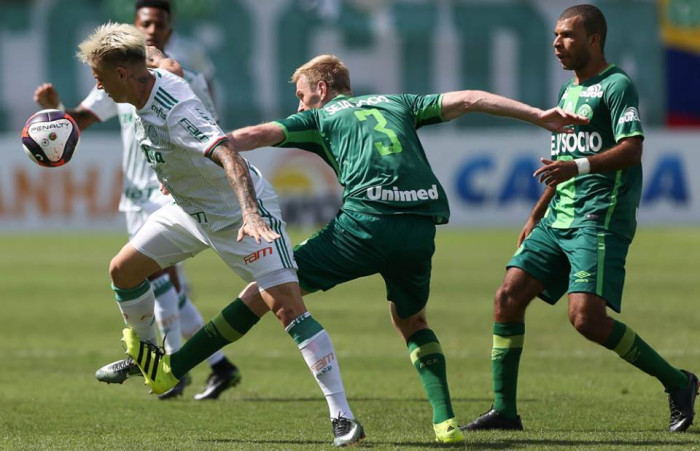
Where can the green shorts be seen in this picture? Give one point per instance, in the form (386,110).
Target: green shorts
(581,260)
(353,245)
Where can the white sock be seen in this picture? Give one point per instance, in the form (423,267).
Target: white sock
(319,355)
(191,321)
(138,312)
(167,313)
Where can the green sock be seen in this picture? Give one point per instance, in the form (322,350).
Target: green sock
(630,346)
(232,323)
(508,341)
(427,357)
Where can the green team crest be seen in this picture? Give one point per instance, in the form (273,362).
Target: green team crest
(585,110)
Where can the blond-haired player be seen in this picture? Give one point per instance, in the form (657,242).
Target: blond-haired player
(222,203)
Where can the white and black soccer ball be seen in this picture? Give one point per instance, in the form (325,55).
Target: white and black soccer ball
(50,138)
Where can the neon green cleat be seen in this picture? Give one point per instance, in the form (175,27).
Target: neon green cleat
(448,432)
(152,360)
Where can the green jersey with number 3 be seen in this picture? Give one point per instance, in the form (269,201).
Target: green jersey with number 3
(608,200)
(372,145)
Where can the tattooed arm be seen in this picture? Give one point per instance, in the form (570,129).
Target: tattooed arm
(239,177)
(157,59)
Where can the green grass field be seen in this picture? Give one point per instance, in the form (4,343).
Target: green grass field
(59,323)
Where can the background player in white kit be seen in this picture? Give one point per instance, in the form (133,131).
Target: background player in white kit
(188,150)
(175,314)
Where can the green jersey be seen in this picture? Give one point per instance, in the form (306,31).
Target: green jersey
(372,145)
(608,200)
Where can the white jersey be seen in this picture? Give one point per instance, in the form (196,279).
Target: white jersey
(177,134)
(141,189)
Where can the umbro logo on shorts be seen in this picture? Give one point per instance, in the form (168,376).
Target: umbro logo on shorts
(582,277)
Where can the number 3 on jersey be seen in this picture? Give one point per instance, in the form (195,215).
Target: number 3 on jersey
(382,148)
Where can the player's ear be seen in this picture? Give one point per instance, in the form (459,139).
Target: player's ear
(123,73)
(594,39)
(322,89)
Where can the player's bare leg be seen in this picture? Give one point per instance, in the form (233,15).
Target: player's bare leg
(129,271)
(588,314)
(234,321)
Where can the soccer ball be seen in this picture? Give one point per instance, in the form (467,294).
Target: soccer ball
(50,138)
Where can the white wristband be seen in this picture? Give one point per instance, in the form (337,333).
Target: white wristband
(61,106)
(584,166)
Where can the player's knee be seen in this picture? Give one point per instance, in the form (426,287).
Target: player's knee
(585,325)
(507,302)
(286,314)
(409,326)
(122,274)
(115,269)
(251,291)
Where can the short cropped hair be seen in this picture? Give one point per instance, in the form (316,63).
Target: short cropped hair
(593,20)
(327,68)
(158,4)
(113,44)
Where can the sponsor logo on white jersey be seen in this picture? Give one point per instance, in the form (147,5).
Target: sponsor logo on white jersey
(397,195)
(158,110)
(595,91)
(630,115)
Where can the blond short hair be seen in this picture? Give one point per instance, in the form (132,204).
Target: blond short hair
(113,44)
(327,68)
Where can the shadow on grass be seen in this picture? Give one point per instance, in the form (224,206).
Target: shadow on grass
(364,444)
(470,444)
(578,444)
(367,399)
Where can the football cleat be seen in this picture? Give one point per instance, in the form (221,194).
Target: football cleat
(448,432)
(493,420)
(682,404)
(152,360)
(218,382)
(346,432)
(178,389)
(117,372)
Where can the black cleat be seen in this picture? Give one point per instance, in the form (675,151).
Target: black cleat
(346,432)
(493,420)
(117,372)
(218,382)
(178,389)
(682,404)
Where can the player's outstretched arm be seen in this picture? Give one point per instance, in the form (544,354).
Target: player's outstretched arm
(47,97)
(262,135)
(457,103)
(238,176)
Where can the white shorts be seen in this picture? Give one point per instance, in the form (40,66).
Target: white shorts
(170,235)
(135,219)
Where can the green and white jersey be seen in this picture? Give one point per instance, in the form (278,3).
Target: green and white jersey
(176,134)
(372,145)
(140,185)
(198,83)
(607,200)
